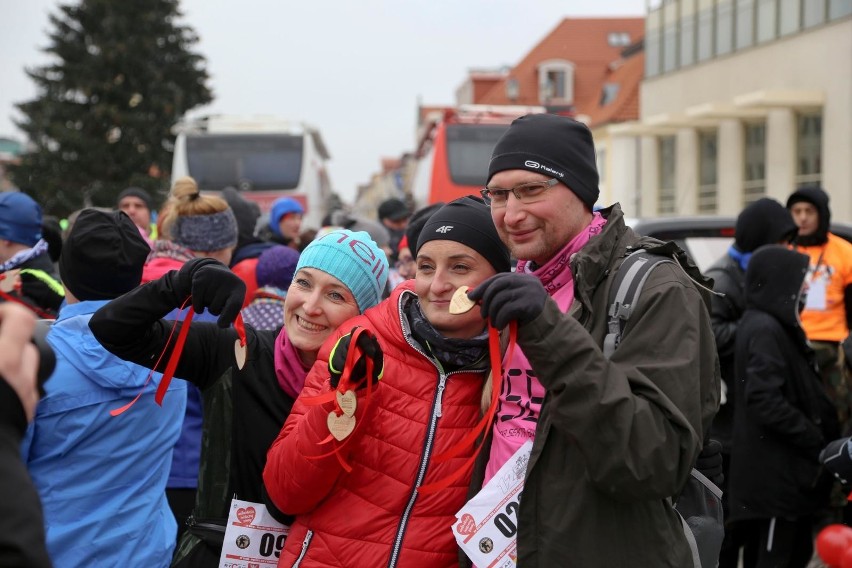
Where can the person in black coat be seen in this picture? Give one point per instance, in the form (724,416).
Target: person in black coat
(763,222)
(783,417)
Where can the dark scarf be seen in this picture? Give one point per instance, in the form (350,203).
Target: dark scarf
(453,353)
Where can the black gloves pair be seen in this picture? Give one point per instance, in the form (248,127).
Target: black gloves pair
(369,347)
(836,459)
(213,286)
(509,296)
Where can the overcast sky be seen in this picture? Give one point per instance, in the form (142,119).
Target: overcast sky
(354,69)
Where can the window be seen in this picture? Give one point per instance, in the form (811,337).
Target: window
(814,13)
(556,81)
(766,16)
(809,150)
(618,39)
(609,93)
(512,89)
(705,32)
(724,27)
(670,33)
(754,186)
(652,44)
(687,40)
(839,8)
(707,167)
(789,20)
(666,194)
(745,23)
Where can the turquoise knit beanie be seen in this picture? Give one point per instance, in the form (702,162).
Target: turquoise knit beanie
(353,258)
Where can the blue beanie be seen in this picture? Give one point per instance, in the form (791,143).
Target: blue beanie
(353,258)
(20,218)
(276,266)
(281,207)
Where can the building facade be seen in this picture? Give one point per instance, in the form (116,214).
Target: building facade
(741,99)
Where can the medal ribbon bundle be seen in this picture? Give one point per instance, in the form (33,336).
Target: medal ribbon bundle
(341,420)
(171,365)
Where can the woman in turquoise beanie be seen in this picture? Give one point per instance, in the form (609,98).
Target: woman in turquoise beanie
(248,394)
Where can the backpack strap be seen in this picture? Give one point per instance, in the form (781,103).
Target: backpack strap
(624,293)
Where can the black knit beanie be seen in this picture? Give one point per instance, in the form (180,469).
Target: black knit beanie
(103,256)
(552,145)
(467,221)
(764,222)
(136,192)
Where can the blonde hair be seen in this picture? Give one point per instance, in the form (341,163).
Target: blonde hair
(185,200)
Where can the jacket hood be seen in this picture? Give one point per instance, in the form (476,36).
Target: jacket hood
(773,281)
(764,222)
(817,197)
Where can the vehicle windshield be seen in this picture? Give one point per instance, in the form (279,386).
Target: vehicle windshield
(247,161)
(469,148)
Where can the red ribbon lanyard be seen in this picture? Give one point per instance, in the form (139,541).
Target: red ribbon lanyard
(481,429)
(344,385)
(38,311)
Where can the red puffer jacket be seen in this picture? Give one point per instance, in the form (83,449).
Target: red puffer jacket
(374,516)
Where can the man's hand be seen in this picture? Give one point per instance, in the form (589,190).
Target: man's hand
(18,356)
(510,297)
(709,462)
(213,286)
(369,347)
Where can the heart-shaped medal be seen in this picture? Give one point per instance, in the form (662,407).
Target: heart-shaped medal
(460,303)
(347,402)
(240,354)
(340,426)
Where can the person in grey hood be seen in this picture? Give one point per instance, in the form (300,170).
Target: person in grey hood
(783,416)
(763,222)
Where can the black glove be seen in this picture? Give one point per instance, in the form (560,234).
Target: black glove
(835,457)
(369,347)
(213,286)
(709,461)
(509,296)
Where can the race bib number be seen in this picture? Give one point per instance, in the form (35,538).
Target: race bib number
(253,539)
(817,292)
(486,528)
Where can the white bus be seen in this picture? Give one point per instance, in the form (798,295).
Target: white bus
(263,157)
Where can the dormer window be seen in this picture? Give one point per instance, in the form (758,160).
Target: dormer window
(618,39)
(556,82)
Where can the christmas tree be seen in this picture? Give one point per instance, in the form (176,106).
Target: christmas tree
(123,74)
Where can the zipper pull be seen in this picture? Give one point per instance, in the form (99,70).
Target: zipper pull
(439,401)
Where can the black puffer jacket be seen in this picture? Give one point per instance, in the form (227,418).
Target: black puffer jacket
(783,417)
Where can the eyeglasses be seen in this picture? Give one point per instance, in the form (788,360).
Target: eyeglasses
(525,193)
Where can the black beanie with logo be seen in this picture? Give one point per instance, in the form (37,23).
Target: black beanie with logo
(467,221)
(103,256)
(552,145)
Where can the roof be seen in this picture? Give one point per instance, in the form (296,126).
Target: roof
(584,42)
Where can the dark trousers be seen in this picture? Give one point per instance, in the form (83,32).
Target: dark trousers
(181,502)
(777,543)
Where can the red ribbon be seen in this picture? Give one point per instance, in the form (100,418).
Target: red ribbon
(481,429)
(344,385)
(9,297)
(117,411)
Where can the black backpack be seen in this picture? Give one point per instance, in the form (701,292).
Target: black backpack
(699,503)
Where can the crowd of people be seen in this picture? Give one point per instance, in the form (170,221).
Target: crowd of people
(327,377)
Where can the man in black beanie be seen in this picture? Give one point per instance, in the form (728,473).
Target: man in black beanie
(613,439)
(764,222)
(138,205)
(86,464)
